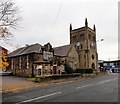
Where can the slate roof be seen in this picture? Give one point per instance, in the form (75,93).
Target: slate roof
(62,50)
(34,48)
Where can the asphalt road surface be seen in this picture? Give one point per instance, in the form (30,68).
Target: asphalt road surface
(100,89)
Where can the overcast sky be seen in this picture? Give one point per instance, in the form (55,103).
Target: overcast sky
(48,21)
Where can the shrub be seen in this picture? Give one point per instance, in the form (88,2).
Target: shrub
(68,69)
(84,70)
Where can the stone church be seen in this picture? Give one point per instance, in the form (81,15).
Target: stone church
(84,39)
(33,60)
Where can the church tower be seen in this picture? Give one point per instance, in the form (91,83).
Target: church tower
(84,39)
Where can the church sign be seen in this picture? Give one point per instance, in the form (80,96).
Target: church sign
(47,55)
(48,52)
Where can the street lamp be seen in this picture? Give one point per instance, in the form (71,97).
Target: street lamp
(100,40)
(96,49)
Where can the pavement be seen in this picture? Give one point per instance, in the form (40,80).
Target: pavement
(11,83)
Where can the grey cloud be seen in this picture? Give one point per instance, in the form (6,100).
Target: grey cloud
(40,23)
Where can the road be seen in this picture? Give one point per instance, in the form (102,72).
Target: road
(100,89)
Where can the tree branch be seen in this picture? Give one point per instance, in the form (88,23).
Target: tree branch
(9,18)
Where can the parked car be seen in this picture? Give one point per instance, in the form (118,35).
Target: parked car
(4,73)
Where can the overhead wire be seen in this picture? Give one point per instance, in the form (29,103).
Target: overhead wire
(57,16)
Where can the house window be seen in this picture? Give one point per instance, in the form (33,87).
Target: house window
(27,61)
(108,64)
(19,62)
(12,63)
(115,64)
(111,64)
(118,63)
(105,64)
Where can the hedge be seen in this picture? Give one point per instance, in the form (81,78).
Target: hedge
(85,70)
(68,69)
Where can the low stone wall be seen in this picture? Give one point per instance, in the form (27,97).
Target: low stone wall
(64,76)
(89,75)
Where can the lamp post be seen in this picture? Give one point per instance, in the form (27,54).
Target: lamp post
(96,50)
(100,40)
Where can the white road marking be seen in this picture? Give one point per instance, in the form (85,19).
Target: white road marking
(114,79)
(105,81)
(101,82)
(39,97)
(85,86)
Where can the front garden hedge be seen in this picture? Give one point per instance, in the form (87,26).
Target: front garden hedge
(85,70)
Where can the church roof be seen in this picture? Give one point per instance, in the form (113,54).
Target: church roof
(34,48)
(62,50)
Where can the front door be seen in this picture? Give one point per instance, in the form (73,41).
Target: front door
(54,69)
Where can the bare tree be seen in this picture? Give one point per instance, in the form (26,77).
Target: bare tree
(9,18)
